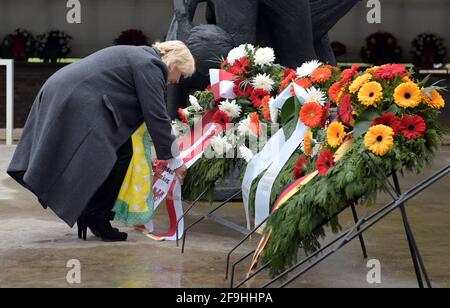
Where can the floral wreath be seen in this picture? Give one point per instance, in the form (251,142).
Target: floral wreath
(19,45)
(428,49)
(132,37)
(53,45)
(381,47)
(381,113)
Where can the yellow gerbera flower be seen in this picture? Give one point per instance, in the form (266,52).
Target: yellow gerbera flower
(407,79)
(408,95)
(370,94)
(359,82)
(307,143)
(335,134)
(379,139)
(435,101)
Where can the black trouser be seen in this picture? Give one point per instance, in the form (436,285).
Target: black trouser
(102,203)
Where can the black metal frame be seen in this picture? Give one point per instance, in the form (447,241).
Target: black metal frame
(210,216)
(266,265)
(357,230)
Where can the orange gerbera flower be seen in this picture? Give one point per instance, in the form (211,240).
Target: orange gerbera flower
(379,139)
(335,134)
(311,114)
(266,109)
(334,91)
(255,124)
(408,95)
(322,74)
(434,101)
(307,143)
(304,83)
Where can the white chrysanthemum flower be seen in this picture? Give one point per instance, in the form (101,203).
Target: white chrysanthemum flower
(194,103)
(220,145)
(244,127)
(246,153)
(274,111)
(307,68)
(179,128)
(236,54)
(264,56)
(315,95)
(248,47)
(231,108)
(263,81)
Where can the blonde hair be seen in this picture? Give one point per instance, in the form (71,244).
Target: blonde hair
(176,53)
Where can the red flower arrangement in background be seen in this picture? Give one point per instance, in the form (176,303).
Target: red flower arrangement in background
(132,37)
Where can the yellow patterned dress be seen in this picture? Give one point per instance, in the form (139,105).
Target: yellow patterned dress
(134,205)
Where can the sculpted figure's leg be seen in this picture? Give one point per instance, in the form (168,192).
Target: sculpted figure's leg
(326,14)
(290,28)
(237,17)
(324,51)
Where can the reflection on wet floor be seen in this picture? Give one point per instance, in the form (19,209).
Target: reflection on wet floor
(35,246)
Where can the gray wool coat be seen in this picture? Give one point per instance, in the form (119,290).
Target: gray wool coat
(80,118)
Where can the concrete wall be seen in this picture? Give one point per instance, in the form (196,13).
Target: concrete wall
(403,18)
(103,20)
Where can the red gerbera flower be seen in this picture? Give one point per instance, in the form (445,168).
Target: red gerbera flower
(287,80)
(390,71)
(288,72)
(255,125)
(266,109)
(305,83)
(348,74)
(182,116)
(413,126)
(311,114)
(221,118)
(239,67)
(224,64)
(325,162)
(258,96)
(300,167)
(321,74)
(243,88)
(389,119)
(325,111)
(346,109)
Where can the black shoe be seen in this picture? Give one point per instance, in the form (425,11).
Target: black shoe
(82,228)
(100,228)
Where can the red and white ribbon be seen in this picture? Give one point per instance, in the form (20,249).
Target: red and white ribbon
(222,84)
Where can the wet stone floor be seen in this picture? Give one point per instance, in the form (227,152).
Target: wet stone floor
(35,246)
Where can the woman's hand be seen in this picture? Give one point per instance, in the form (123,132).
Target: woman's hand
(181,173)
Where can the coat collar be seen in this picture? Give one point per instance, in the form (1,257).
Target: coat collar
(155,52)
